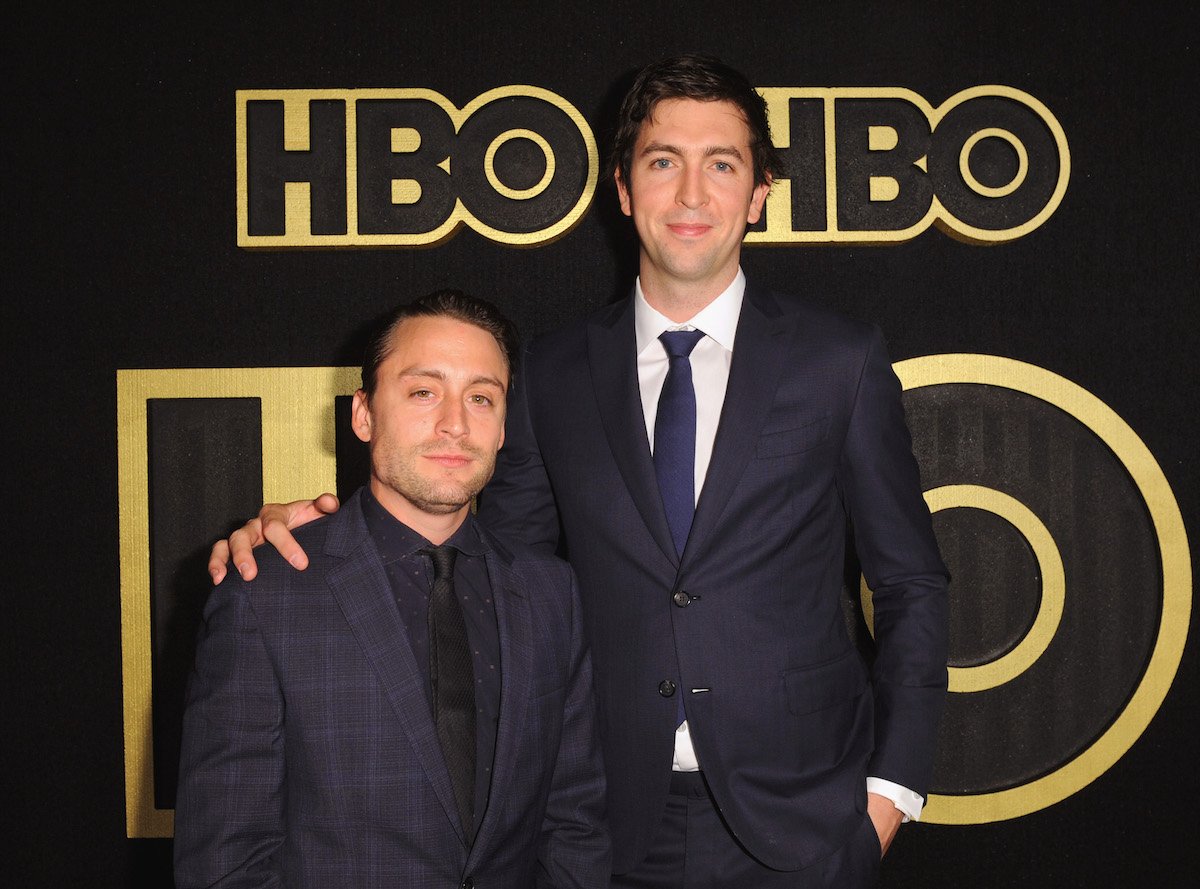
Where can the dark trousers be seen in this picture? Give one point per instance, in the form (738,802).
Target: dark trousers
(694,849)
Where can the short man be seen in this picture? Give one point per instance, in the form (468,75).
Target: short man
(700,447)
(416,709)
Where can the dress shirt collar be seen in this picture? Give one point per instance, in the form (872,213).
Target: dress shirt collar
(395,540)
(718,319)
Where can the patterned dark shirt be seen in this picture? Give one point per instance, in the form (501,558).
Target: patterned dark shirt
(410,573)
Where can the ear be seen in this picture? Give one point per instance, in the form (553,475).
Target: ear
(360,416)
(757,198)
(623,194)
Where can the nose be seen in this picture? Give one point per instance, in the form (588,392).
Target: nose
(453,419)
(693,187)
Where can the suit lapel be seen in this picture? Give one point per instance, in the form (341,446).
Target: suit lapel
(759,357)
(361,588)
(613,361)
(515,624)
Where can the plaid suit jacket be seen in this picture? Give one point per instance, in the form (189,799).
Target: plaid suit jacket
(310,757)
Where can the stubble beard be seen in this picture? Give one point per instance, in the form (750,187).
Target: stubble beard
(435,496)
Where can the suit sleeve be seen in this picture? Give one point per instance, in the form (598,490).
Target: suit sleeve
(229,815)
(893,535)
(518,503)
(575,848)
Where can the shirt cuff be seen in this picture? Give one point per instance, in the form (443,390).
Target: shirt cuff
(909,803)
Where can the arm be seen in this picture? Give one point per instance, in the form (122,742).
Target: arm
(273,525)
(518,503)
(229,814)
(894,539)
(574,850)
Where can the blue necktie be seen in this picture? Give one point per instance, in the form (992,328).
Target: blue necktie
(675,443)
(675,435)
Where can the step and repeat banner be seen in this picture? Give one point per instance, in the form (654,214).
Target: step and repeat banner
(207,213)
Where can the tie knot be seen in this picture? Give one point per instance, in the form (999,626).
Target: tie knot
(443,560)
(679,343)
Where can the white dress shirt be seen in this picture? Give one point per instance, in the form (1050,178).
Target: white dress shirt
(710,361)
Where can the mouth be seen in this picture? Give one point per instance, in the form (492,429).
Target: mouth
(451,460)
(689,229)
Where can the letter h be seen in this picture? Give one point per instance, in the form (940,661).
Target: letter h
(271,165)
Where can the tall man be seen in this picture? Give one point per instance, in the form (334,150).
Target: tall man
(700,447)
(416,709)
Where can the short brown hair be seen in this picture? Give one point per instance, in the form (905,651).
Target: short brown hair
(700,77)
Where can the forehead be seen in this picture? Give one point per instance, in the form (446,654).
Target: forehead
(446,343)
(680,118)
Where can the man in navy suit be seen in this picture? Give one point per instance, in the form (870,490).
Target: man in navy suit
(746,742)
(416,708)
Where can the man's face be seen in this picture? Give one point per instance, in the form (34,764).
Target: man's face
(436,419)
(691,193)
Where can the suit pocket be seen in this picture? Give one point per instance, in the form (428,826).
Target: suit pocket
(825,685)
(792,441)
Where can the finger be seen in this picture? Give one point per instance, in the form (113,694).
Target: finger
(217,560)
(276,532)
(241,547)
(327,504)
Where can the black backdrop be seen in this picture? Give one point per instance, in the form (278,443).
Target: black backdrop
(120,252)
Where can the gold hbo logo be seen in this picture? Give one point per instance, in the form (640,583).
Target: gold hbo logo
(519,165)
(1071,591)
(881,165)
(388,168)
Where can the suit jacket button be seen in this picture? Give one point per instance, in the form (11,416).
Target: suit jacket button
(467,883)
(666,688)
(682,599)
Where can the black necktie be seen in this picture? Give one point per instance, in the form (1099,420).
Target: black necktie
(453,682)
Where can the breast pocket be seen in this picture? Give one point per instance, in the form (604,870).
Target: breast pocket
(792,441)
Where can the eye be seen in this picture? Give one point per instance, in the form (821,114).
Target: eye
(481,400)
(722,167)
(661,163)
(422,393)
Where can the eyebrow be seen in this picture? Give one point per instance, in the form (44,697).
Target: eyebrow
(710,151)
(434,374)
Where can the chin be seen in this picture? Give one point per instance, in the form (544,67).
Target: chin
(443,499)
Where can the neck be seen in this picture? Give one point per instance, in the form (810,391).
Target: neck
(436,527)
(682,300)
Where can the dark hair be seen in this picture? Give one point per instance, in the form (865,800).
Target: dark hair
(700,77)
(445,304)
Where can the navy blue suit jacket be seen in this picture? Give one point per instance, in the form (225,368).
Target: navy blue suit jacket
(310,757)
(787,719)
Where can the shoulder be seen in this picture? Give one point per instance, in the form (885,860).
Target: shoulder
(571,338)
(275,573)
(556,364)
(812,318)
